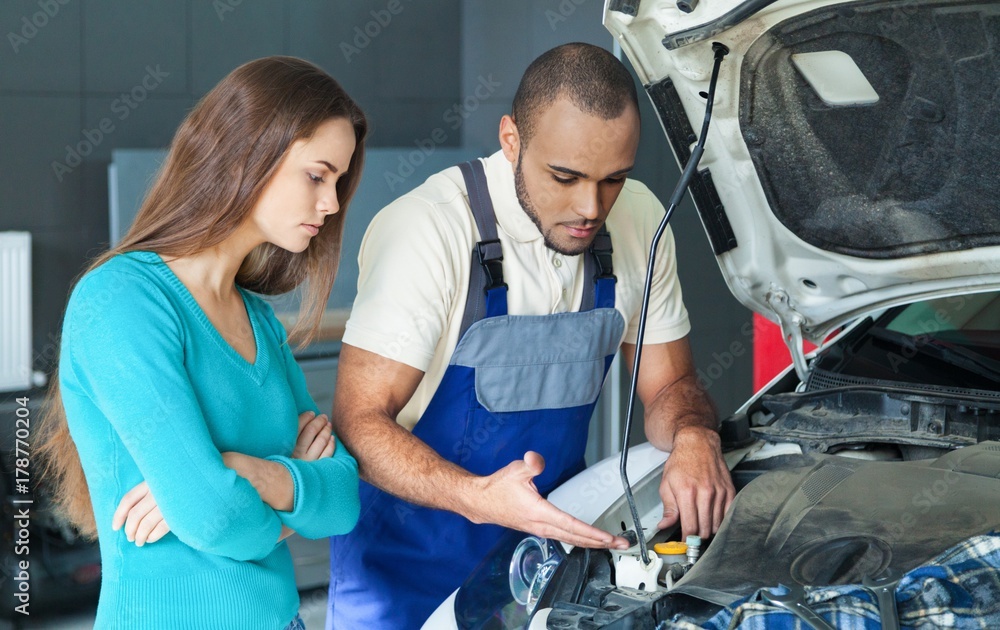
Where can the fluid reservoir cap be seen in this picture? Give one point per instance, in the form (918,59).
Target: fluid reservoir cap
(670,548)
(693,541)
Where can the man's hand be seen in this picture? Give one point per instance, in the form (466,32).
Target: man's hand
(315,439)
(371,390)
(696,486)
(509,497)
(141,517)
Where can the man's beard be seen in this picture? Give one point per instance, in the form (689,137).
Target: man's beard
(529,209)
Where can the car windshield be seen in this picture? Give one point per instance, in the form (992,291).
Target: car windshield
(970,319)
(949,342)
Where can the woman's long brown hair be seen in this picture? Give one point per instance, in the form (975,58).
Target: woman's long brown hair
(221,159)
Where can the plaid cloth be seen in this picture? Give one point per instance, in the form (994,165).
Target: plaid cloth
(958,589)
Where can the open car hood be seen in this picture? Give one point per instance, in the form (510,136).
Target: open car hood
(852,161)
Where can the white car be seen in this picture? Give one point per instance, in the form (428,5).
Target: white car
(849,187)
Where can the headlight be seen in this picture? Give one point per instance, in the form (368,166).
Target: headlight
(531,568)
(502,592)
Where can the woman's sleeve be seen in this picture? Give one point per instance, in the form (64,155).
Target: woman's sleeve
(125,350)
(326,494)
(326,490)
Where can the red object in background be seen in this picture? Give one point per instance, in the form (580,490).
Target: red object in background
(87,574)
(770,354)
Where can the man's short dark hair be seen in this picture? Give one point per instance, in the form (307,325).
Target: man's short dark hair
(592,78)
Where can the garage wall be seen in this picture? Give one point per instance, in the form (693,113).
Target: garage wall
(90,76)
(499,40)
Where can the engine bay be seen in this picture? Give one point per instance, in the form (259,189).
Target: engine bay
(832,486)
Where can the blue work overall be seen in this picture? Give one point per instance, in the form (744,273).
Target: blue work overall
(515,383)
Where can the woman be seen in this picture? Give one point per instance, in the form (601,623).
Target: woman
(177,391)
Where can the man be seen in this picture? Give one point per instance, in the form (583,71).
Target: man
(489,330)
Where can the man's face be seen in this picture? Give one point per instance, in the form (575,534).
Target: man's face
(572,170)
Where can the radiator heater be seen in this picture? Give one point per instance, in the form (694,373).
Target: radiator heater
(15,311)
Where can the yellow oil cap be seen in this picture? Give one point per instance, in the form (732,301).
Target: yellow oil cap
(670,548)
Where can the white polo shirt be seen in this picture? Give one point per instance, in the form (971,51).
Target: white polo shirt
(416,258)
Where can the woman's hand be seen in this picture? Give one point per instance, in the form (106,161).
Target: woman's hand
(271,480)
(141,517)
(315,439)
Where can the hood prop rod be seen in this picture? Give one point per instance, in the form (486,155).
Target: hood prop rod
(686,175)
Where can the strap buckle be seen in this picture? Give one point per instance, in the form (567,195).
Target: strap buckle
(491,263)
(601,250)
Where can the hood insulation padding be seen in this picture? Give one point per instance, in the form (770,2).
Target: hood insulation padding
(914,173)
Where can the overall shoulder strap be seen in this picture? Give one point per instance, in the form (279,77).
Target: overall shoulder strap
(487,290)
(600,293)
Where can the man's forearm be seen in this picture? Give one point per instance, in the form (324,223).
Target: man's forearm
(681,406)
(393,459)
(371,392)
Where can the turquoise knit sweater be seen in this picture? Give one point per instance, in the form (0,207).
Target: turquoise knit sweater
(153,392)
